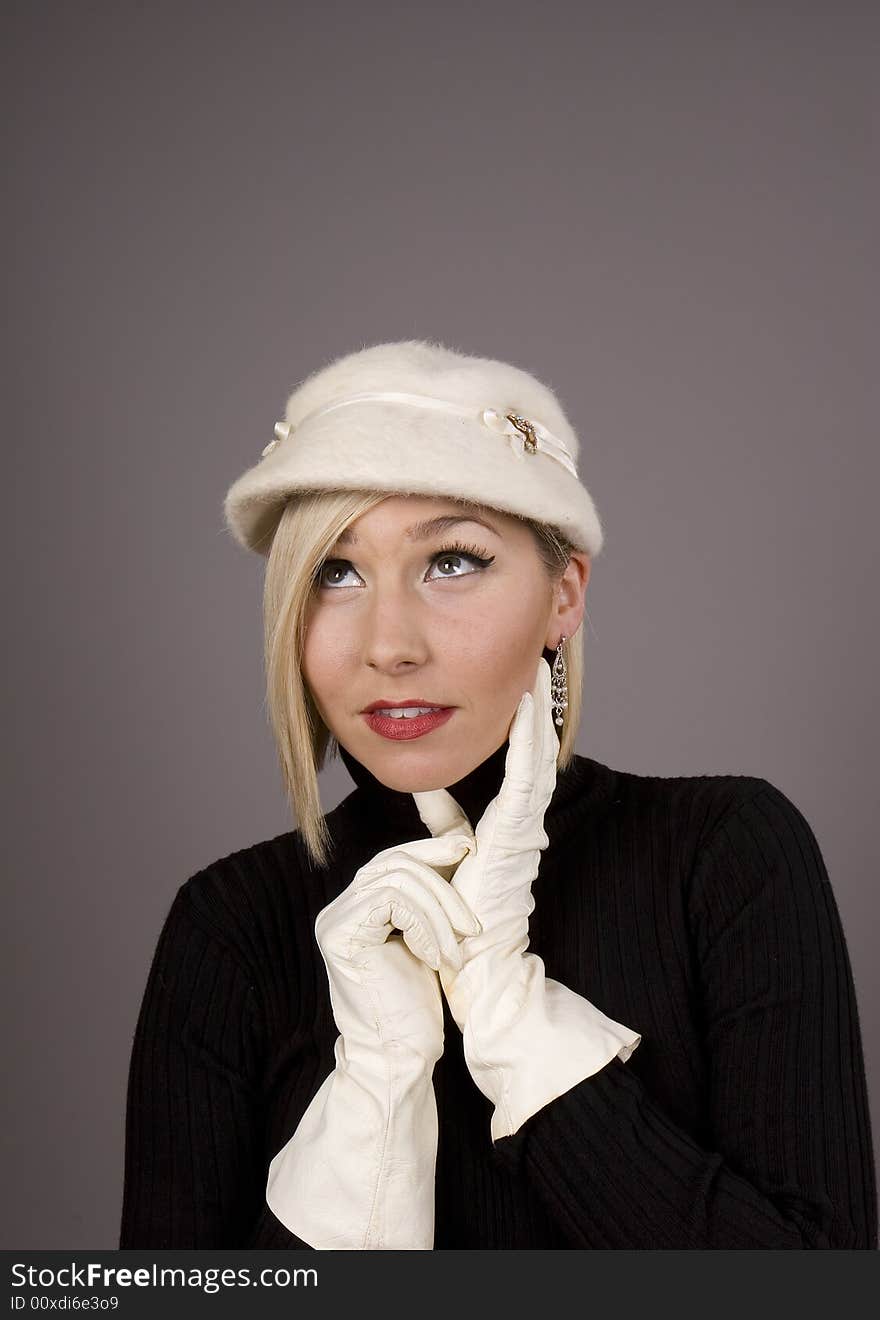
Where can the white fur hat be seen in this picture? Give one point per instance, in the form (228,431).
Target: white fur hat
(419,418)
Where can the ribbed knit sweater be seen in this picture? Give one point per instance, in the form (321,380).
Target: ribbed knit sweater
(696,910)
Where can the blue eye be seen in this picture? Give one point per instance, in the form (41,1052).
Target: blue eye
(457,551)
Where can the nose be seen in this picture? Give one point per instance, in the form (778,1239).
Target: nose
(394,633)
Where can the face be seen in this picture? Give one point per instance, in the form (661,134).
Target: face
(457,617)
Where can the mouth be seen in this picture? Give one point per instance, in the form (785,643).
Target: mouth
(407,704)
(400,723)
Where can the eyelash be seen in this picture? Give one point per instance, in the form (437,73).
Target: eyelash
(473,552)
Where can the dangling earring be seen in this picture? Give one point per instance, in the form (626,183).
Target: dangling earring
(559,684)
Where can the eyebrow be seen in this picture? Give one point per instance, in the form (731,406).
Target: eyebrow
(423,531)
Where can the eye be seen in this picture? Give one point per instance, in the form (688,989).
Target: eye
(472,552)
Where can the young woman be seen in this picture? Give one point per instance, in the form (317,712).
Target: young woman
(503,996)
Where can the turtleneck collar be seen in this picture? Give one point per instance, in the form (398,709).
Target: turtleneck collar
(387,808)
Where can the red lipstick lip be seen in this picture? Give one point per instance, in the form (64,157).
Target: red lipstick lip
(398,705)
(405,730)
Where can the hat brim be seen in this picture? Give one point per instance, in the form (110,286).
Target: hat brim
(373,448)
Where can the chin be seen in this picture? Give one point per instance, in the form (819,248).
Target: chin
(419,780)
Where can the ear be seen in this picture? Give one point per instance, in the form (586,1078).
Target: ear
(569,599)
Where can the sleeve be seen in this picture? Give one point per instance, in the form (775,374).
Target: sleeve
(789,1160)
(194,1169)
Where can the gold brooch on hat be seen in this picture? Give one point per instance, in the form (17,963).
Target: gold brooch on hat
(530,441)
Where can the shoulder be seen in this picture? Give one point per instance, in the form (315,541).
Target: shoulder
(754,853)
(252,895)
(741,853)
(765,830)
(229,898)
(715,818)
(239,897)
(698,802)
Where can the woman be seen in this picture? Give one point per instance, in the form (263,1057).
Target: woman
(370,1032)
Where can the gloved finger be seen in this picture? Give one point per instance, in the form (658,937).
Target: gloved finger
(530,747)
(456,911)
(518,764)
(400,862)
(445,851)
(388,913)
(354,920)
(548,750)
(425,931)
(335,922)
(401,867)
(441,813)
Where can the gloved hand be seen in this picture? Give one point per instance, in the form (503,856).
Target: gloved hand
(527,1038)
(358,1171)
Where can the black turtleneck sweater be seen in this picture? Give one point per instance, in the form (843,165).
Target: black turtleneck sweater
(696,911)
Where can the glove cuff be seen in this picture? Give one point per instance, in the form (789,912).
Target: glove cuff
(556,1041)
(358,1172)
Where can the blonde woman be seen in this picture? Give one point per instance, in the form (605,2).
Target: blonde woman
(503,996)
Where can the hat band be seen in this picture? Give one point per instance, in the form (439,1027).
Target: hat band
(525,436)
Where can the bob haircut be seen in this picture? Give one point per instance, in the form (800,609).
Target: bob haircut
(306,532)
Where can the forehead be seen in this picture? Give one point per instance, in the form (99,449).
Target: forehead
(418,520)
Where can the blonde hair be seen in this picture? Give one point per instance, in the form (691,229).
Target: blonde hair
(307,530)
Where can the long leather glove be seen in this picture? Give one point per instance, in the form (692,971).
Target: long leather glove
(359,1170)
(527,1038)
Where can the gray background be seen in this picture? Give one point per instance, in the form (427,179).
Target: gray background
(667,211)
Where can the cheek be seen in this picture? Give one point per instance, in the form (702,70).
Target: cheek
(499,650)
(493,661)
(326,657)
(506,622)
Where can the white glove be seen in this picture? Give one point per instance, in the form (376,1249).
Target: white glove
(359,1170)
(527,1038)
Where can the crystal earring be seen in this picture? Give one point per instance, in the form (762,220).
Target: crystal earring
(559,684)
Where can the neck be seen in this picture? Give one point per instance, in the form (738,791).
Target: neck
(473,792)
(388,808)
